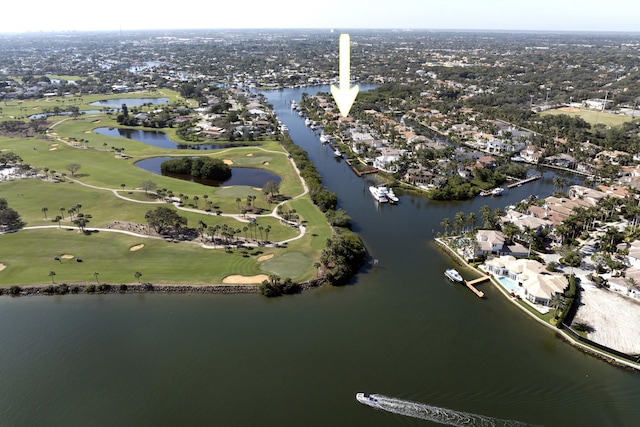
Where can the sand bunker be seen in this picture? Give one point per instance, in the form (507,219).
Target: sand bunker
(265,163)
(54,145)
(2,266)
(236,279)
(265,257)
(250,154)
(87,131)
(53,149)
(67,256)
(570,109)
(227,162)
(96,121)
(136,247)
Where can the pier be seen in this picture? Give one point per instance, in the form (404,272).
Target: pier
(470,284)
(524,181)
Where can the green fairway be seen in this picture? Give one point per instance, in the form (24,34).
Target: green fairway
(97,187)
(592,117)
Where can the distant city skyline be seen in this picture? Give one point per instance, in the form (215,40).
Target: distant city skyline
(116,15)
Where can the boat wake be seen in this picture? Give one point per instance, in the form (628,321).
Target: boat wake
(439,415)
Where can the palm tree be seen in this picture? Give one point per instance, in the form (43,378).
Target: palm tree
(195,200)
(558,303)
(472,220)
(137,275)
(266,231)
(57,219)
(62,212)
(446,223)
(51,275)
(95,275)
(122,185)
(630,282)
(238,200)
(44,211)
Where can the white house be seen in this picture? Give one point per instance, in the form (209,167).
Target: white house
(533,282)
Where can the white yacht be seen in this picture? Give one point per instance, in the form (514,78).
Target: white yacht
(497,191)
(390,194)
(453,275)
(337,153)
(378,194)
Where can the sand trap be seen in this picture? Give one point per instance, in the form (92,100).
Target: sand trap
(54,145)
(136,247)
(2,266)
(265,257)
(52,149)
(227,162)
(265,163)
(87,131)
(250,155)
(67,256)
(236,279)
(570,109)
(96,121)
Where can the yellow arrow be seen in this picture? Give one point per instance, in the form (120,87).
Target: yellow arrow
(344,95)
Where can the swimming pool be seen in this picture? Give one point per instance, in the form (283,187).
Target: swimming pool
(509,285)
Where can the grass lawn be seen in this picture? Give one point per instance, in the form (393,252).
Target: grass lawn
(28,254)
(593,117)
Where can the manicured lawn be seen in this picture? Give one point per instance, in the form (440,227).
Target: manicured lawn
(29,254)
(593,117)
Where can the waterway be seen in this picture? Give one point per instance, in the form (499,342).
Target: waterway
(400,329)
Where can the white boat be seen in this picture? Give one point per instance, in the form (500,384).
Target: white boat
(368,399)
(391,195)
(337,153)
(308,122)
(497,191)
(377,194)
(324,139)
(453,275)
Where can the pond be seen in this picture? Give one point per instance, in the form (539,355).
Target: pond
(252,177)
(131,102)
(158,139)
(62,113)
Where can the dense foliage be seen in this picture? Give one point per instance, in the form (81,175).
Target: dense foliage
(199,167)
(345,254)
(9,218)
(163,219)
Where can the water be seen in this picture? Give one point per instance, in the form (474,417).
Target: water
(63,113)
(401,329)
(440,415)
(158,138)
(252,177)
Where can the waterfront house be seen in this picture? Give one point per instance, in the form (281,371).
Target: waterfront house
(532,281)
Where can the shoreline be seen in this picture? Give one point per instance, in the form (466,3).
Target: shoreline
(609,358)
(54,289)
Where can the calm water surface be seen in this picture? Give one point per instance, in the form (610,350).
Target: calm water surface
(158,139)
(252,177)
(401,329)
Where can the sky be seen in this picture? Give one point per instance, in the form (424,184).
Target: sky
(116,15)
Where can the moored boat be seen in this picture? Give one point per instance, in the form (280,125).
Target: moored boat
(453,275)
(497,191)
(337,153)
(378,194)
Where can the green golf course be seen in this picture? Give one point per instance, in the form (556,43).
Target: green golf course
(107,190)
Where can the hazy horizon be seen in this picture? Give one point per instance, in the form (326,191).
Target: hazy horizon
(461,15)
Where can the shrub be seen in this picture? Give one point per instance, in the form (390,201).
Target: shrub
(15,290)
(123,288)
(62,289)
(90,289)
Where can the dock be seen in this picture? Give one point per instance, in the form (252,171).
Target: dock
(470,284)
(524,181)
